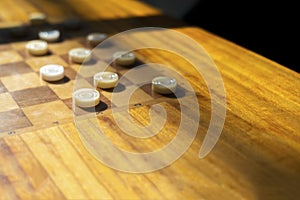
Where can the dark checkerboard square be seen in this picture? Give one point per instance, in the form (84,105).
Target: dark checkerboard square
(90,80)
(65,57)
(70,73)
(68,102)
(33,96)
(148,89)
(13,118)
(14,68)
(106,101)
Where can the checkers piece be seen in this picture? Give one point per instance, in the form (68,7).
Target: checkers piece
(95,38)
(106,80)
(49,36)
(124,58)
(79,55)
(164,85)
(86,97)
(37,18)
(37,47)
(52,72)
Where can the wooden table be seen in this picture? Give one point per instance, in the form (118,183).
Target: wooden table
(256,157)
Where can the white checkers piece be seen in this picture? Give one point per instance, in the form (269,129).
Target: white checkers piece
(95,38)
(124,58)
(164,85)
(52,72)
(37,18)
(106,80)
(49,36)
(37,47)
(79,55)
(86,97)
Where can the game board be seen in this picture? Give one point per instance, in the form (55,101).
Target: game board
(29,103)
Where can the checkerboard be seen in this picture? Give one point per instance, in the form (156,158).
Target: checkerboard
(28,103)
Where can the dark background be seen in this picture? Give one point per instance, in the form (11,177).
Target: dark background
(269,28)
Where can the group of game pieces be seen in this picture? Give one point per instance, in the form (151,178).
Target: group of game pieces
(87,97)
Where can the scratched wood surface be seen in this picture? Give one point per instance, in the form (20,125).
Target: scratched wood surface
(256,157)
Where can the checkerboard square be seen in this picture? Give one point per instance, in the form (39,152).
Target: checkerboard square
(88,70)
(7,102)
(90,80)
(64,47)
(106,101)
(33,96)
(2,88)
(119,68)
(65,91)
(4,47)
(68,102)
(26,55)
(13,118)
(37,62)
(65,57)
(141,75)
(124,81)
(22,81)
(19,45)
(47,113)
(10,57)
(70,73)
(138,96)
(14,68)
(81,40)
(124,69)
(148,89)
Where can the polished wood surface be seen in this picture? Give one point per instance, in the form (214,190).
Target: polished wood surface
(256,157)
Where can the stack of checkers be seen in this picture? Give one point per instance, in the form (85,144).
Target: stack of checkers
(36,88)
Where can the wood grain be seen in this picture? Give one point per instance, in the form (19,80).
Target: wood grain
(257,156)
